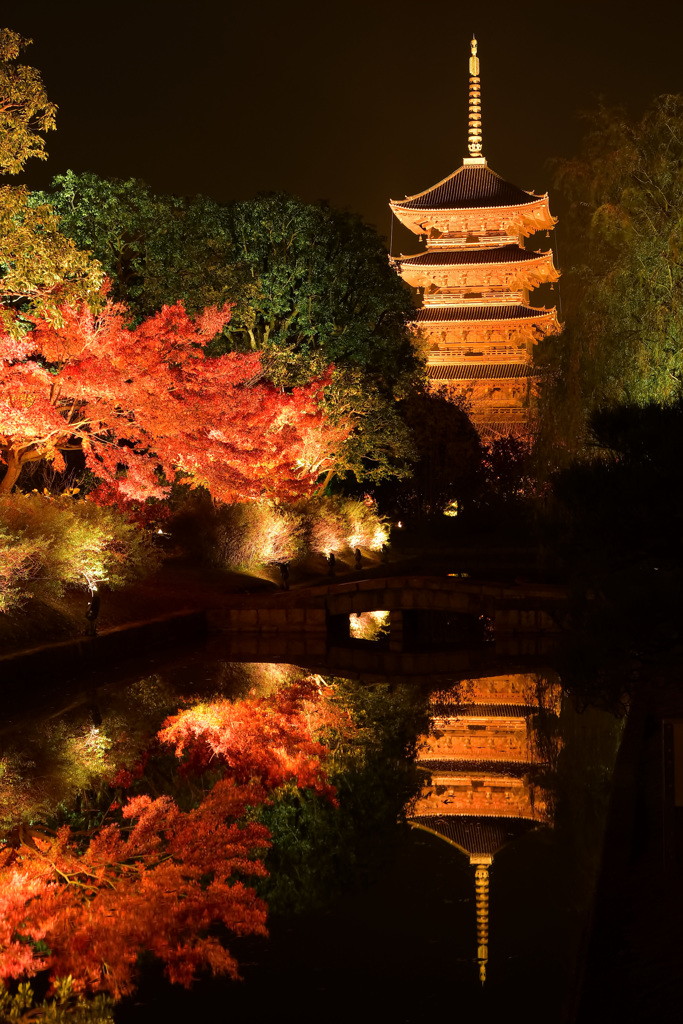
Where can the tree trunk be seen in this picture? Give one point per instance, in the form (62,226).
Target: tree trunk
(320,489)
(12,474)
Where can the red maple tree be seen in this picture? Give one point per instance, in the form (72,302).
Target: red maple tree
(157,886)
(147,400)
(271,740)
(87,905)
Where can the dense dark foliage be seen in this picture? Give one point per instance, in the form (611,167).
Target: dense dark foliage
(622,283)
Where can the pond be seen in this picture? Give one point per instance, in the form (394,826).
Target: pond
(456,873)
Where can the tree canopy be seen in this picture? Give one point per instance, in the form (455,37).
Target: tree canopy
(152,876)
(622,276)
(449,467)
(156,249)
(145,403)
(40,268)
(311,287)
(25,110)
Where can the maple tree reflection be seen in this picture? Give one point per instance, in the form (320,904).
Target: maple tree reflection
(151,875)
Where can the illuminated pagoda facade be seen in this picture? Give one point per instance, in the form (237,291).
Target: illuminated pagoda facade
(476,277)
(480,760)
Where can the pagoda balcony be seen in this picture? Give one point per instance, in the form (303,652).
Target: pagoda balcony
(509,414)
(485,240)
(469,297)
(470,356)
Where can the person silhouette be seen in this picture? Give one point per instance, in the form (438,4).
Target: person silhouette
(92,613)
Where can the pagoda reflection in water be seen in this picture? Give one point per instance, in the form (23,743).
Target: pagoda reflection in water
(485,758)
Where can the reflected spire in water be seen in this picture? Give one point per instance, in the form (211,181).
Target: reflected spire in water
(481,885)
(481,757)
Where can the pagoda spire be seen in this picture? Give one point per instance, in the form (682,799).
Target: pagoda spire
(474,138)
(481,884)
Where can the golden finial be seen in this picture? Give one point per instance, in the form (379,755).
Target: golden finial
(481,885)
(474,143)
(474,60)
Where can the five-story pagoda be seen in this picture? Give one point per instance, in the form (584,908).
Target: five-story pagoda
(476,276)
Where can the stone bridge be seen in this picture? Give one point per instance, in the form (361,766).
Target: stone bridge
(372,662)
(512,610)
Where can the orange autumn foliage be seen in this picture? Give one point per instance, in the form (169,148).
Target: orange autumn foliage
(147,400)
(271,740)
(88,905)
(94,910)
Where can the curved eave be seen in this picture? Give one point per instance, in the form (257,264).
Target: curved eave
(474,370)
(473,835)
(478,183)
(513,255)
(398,207)
(528,272)
(481,315)
(523,218)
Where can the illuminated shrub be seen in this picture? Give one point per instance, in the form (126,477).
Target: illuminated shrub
(48,544)
(343,524)
(242,537)
(21,559)
(257,534)
(53,763)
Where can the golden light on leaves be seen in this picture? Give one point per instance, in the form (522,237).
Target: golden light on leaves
(369,625)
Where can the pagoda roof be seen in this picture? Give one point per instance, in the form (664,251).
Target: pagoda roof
(498,428)
(497,710)
(480,371)
(469,188)
(509,769)
(466,257)
(503,311)
(475,835)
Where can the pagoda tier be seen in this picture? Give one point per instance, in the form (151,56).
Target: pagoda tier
(527,688)
(481,736)
(482,794)
(474,206)
(479,759)
(476,324)
(505,274)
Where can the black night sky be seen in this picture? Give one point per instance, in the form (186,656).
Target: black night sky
(353,102)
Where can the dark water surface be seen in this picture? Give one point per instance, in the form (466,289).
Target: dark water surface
(400,942)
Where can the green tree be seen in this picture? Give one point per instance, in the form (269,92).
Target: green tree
(319,850)
(316,288)
(311,286)
(40,269)
(623,276)
(156,249)
(25,110)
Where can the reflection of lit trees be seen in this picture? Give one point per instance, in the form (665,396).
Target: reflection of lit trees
(369,625)
(153,874)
